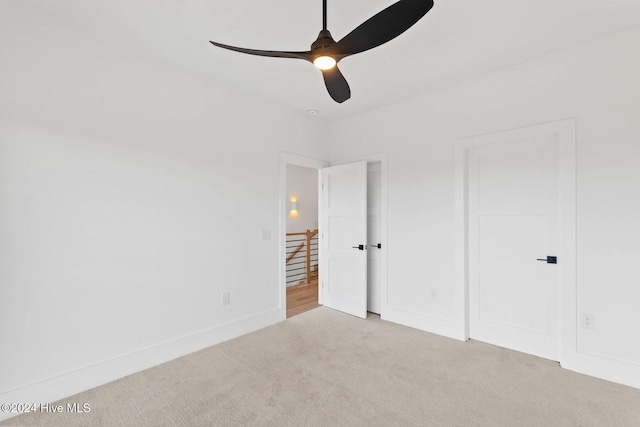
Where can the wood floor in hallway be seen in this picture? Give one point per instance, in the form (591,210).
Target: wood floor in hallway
(301,298)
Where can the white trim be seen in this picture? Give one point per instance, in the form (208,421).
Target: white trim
(321,255)
(602,367)
(70,383)
(294,159)
(565,131)
(570,357)
(413,319)
(383,158)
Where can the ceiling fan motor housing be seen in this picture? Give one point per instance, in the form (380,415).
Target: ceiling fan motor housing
(324,40)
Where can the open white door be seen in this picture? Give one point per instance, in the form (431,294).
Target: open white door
(344,228)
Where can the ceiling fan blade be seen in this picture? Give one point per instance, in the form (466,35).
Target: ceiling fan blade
(336,85)
(382,27)
(271,53)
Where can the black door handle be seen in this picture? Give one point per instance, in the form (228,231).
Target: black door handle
(550,259)
(379,246)
(361,247)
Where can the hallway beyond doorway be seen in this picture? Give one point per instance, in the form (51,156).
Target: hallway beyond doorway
(301,298)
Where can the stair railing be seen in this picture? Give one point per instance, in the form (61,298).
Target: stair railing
(305,263)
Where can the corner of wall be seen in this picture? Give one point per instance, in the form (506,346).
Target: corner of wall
(70,383)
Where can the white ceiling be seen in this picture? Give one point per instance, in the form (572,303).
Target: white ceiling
(457,40)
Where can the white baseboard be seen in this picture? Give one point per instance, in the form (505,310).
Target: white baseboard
(65,385)
(600,367)
(434,325)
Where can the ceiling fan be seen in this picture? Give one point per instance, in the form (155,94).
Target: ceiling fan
(325,52)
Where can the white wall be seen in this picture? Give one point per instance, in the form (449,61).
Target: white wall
(302,183)
(596,83)
(131,196)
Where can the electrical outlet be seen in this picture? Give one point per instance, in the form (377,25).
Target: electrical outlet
(588,320)
(433,293)
(226,298)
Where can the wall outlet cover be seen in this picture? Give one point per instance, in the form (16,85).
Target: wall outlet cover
(588,320)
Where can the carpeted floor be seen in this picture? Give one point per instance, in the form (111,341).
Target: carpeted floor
(325,368)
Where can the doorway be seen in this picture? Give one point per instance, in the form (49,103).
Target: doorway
(375,235)
(288,161)
(302,240)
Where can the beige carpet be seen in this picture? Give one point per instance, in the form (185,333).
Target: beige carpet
(324,368)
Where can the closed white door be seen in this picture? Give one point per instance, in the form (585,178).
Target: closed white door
(514,293)
(374,237)
(344,220)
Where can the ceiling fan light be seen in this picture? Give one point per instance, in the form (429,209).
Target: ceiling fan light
(324,62)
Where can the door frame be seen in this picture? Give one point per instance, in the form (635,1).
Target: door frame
(383,159)
(566,133)
(307,162)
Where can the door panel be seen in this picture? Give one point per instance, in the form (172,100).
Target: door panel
(513,221)
(520,233)
(512,178)
(510,298)
(344,210)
